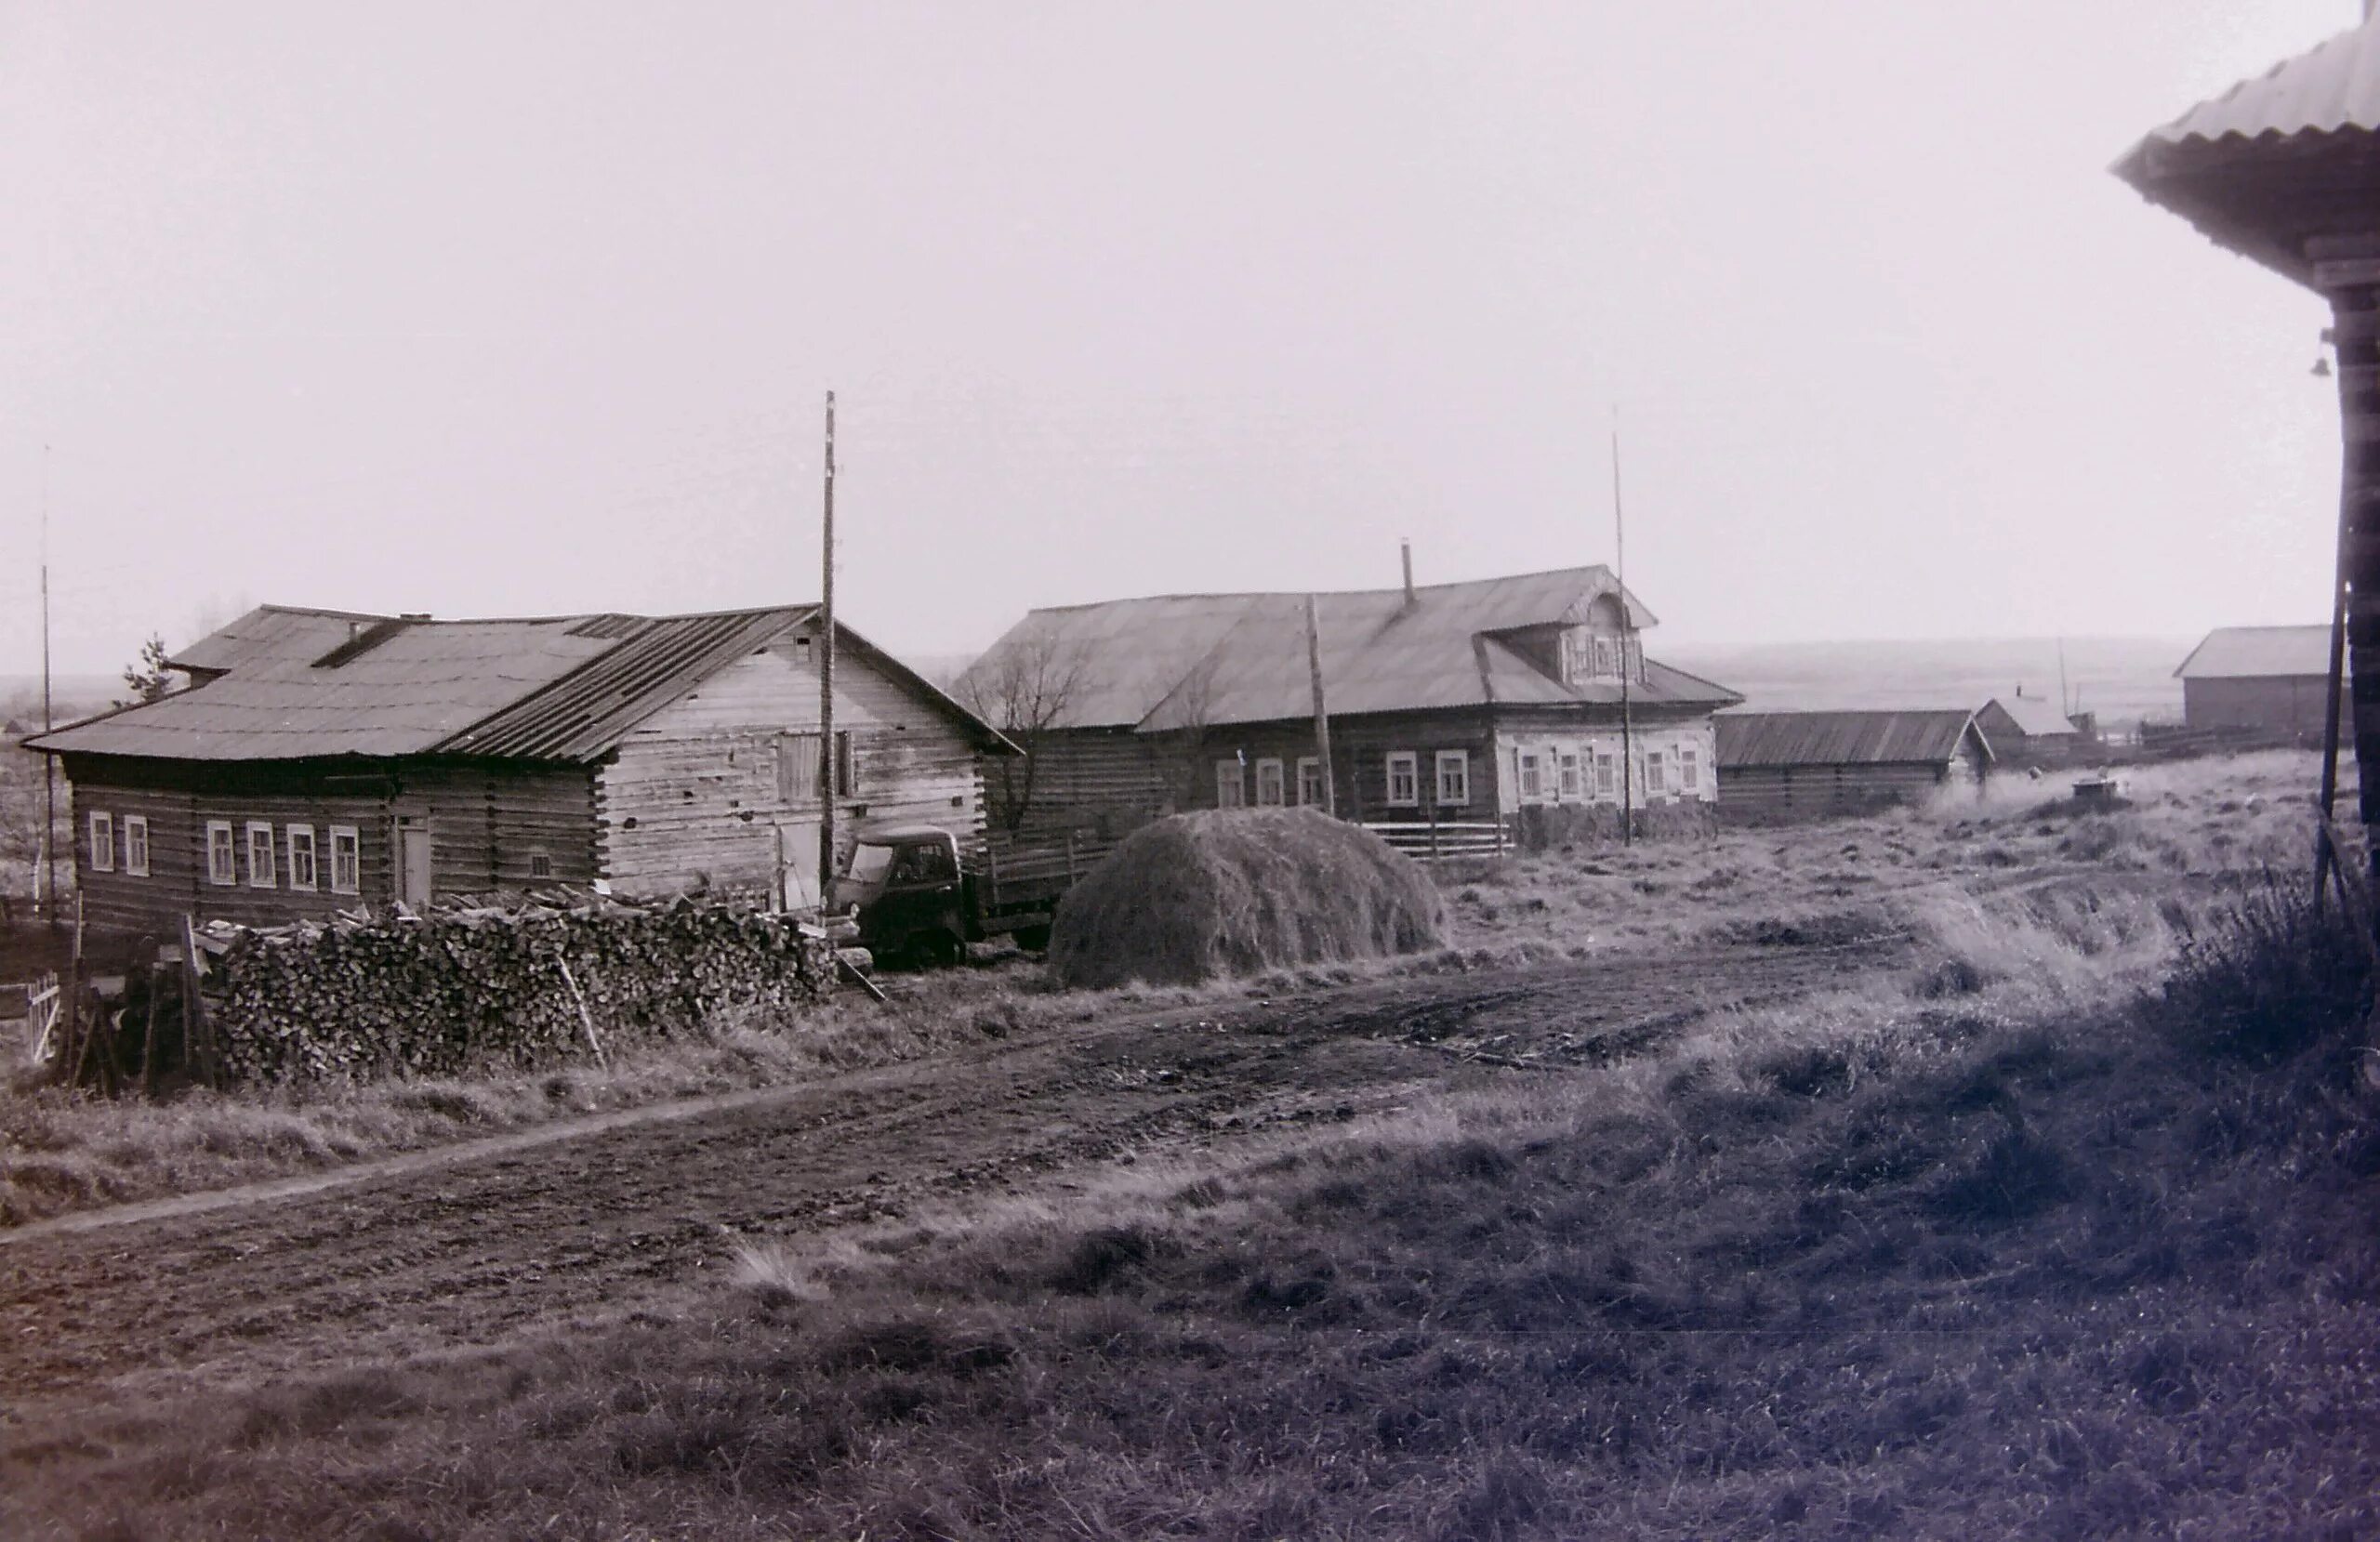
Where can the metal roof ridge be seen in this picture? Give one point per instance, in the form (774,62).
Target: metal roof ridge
(1391,590)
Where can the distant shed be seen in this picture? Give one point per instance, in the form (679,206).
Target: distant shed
(1814,765)
(2272,678)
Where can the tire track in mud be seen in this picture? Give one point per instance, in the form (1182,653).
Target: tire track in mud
(415,1256)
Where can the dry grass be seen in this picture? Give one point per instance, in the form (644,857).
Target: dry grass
(1236,892)
(2057,1254)
(2187,828)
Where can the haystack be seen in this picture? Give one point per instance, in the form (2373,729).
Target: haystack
(1239,891)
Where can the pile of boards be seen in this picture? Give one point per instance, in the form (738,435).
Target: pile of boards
(469,986)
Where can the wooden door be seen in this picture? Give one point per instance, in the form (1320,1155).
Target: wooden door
(413,862)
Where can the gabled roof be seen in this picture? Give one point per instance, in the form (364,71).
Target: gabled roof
(1747,740)
(1176,660)
(2278,161)
(286,683)
(2034,718)
(2255,652)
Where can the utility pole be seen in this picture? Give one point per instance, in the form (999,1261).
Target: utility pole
(2064,707)
(828,761)
(1626,666)
(1321,712)
(46,879)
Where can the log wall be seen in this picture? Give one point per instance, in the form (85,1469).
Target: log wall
(487,822)
(694,798)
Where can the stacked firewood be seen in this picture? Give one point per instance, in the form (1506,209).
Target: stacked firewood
(472,986)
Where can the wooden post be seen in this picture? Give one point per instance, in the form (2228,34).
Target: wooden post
(1627,667)
(149,1039)
(2347,270)
(1321,710)
(830,762)
(585,1017)
(75,1041)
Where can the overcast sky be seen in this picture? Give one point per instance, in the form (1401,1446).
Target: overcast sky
(511,308)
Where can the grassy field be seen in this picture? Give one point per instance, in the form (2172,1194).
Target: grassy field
(2062,1231)
(2190,827)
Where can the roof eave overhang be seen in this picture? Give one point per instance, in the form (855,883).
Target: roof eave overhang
(2266,198)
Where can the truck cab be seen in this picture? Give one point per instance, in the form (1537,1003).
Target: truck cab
(907,888)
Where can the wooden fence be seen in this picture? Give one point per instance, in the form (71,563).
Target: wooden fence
(1445,839)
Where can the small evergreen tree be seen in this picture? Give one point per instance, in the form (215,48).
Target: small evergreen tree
(146,675)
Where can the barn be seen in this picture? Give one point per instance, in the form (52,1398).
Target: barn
(2275,679)
(326,759)
(2284,170)
(2019,726)
(1817,765)
(1449,704)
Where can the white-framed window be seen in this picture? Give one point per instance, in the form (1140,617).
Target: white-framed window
(136,845)
(1269,784)
(1572,786)
(1607,657)
(1690,771)
(1655,779)
(103,842)
(262,871)
(1454,777)
(541,865)
(1310,781)
(222,852)
(1532,773)
(300,839)
(1404,779)
(1607,775)
(1231,783)
(347,860)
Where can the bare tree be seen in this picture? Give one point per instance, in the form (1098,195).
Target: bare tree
(1189,711)
(1024,688)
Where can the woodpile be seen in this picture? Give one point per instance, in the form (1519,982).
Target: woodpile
(472,986)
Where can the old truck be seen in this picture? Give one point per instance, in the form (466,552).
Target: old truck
(920,892)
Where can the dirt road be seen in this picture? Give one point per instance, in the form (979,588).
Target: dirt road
(463,1250)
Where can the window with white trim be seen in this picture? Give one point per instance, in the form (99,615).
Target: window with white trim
(1607,657)
(1404,779)
(1231,783)
(1310,781)
(300,838)
(541,865)
(1607,775)
(222,852)
(1571,785)
(1532,774)
(263,870)
(1454,778)
(1269,784)
(1689,770)
(347,860)
(103,842)
(1654,781)
(136,845)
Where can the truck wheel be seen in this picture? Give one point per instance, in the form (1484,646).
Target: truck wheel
(1033,939)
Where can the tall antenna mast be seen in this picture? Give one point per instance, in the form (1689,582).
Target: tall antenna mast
(2065,706)
(1627,667)
(829,763)
(46,879)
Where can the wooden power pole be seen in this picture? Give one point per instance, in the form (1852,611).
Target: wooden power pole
(1321,710)
(1627,665)
(829,763)
(45,878)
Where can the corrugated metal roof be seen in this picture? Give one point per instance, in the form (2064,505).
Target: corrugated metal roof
(2234,652)
(2277,162)
(1162,663)
(2331,86)
(2034,717)
(1771,739)
(300,685)
(581,715)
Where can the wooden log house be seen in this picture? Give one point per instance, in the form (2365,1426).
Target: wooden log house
(1781,766)
(324,759)
(1450,702)
(2284,169)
